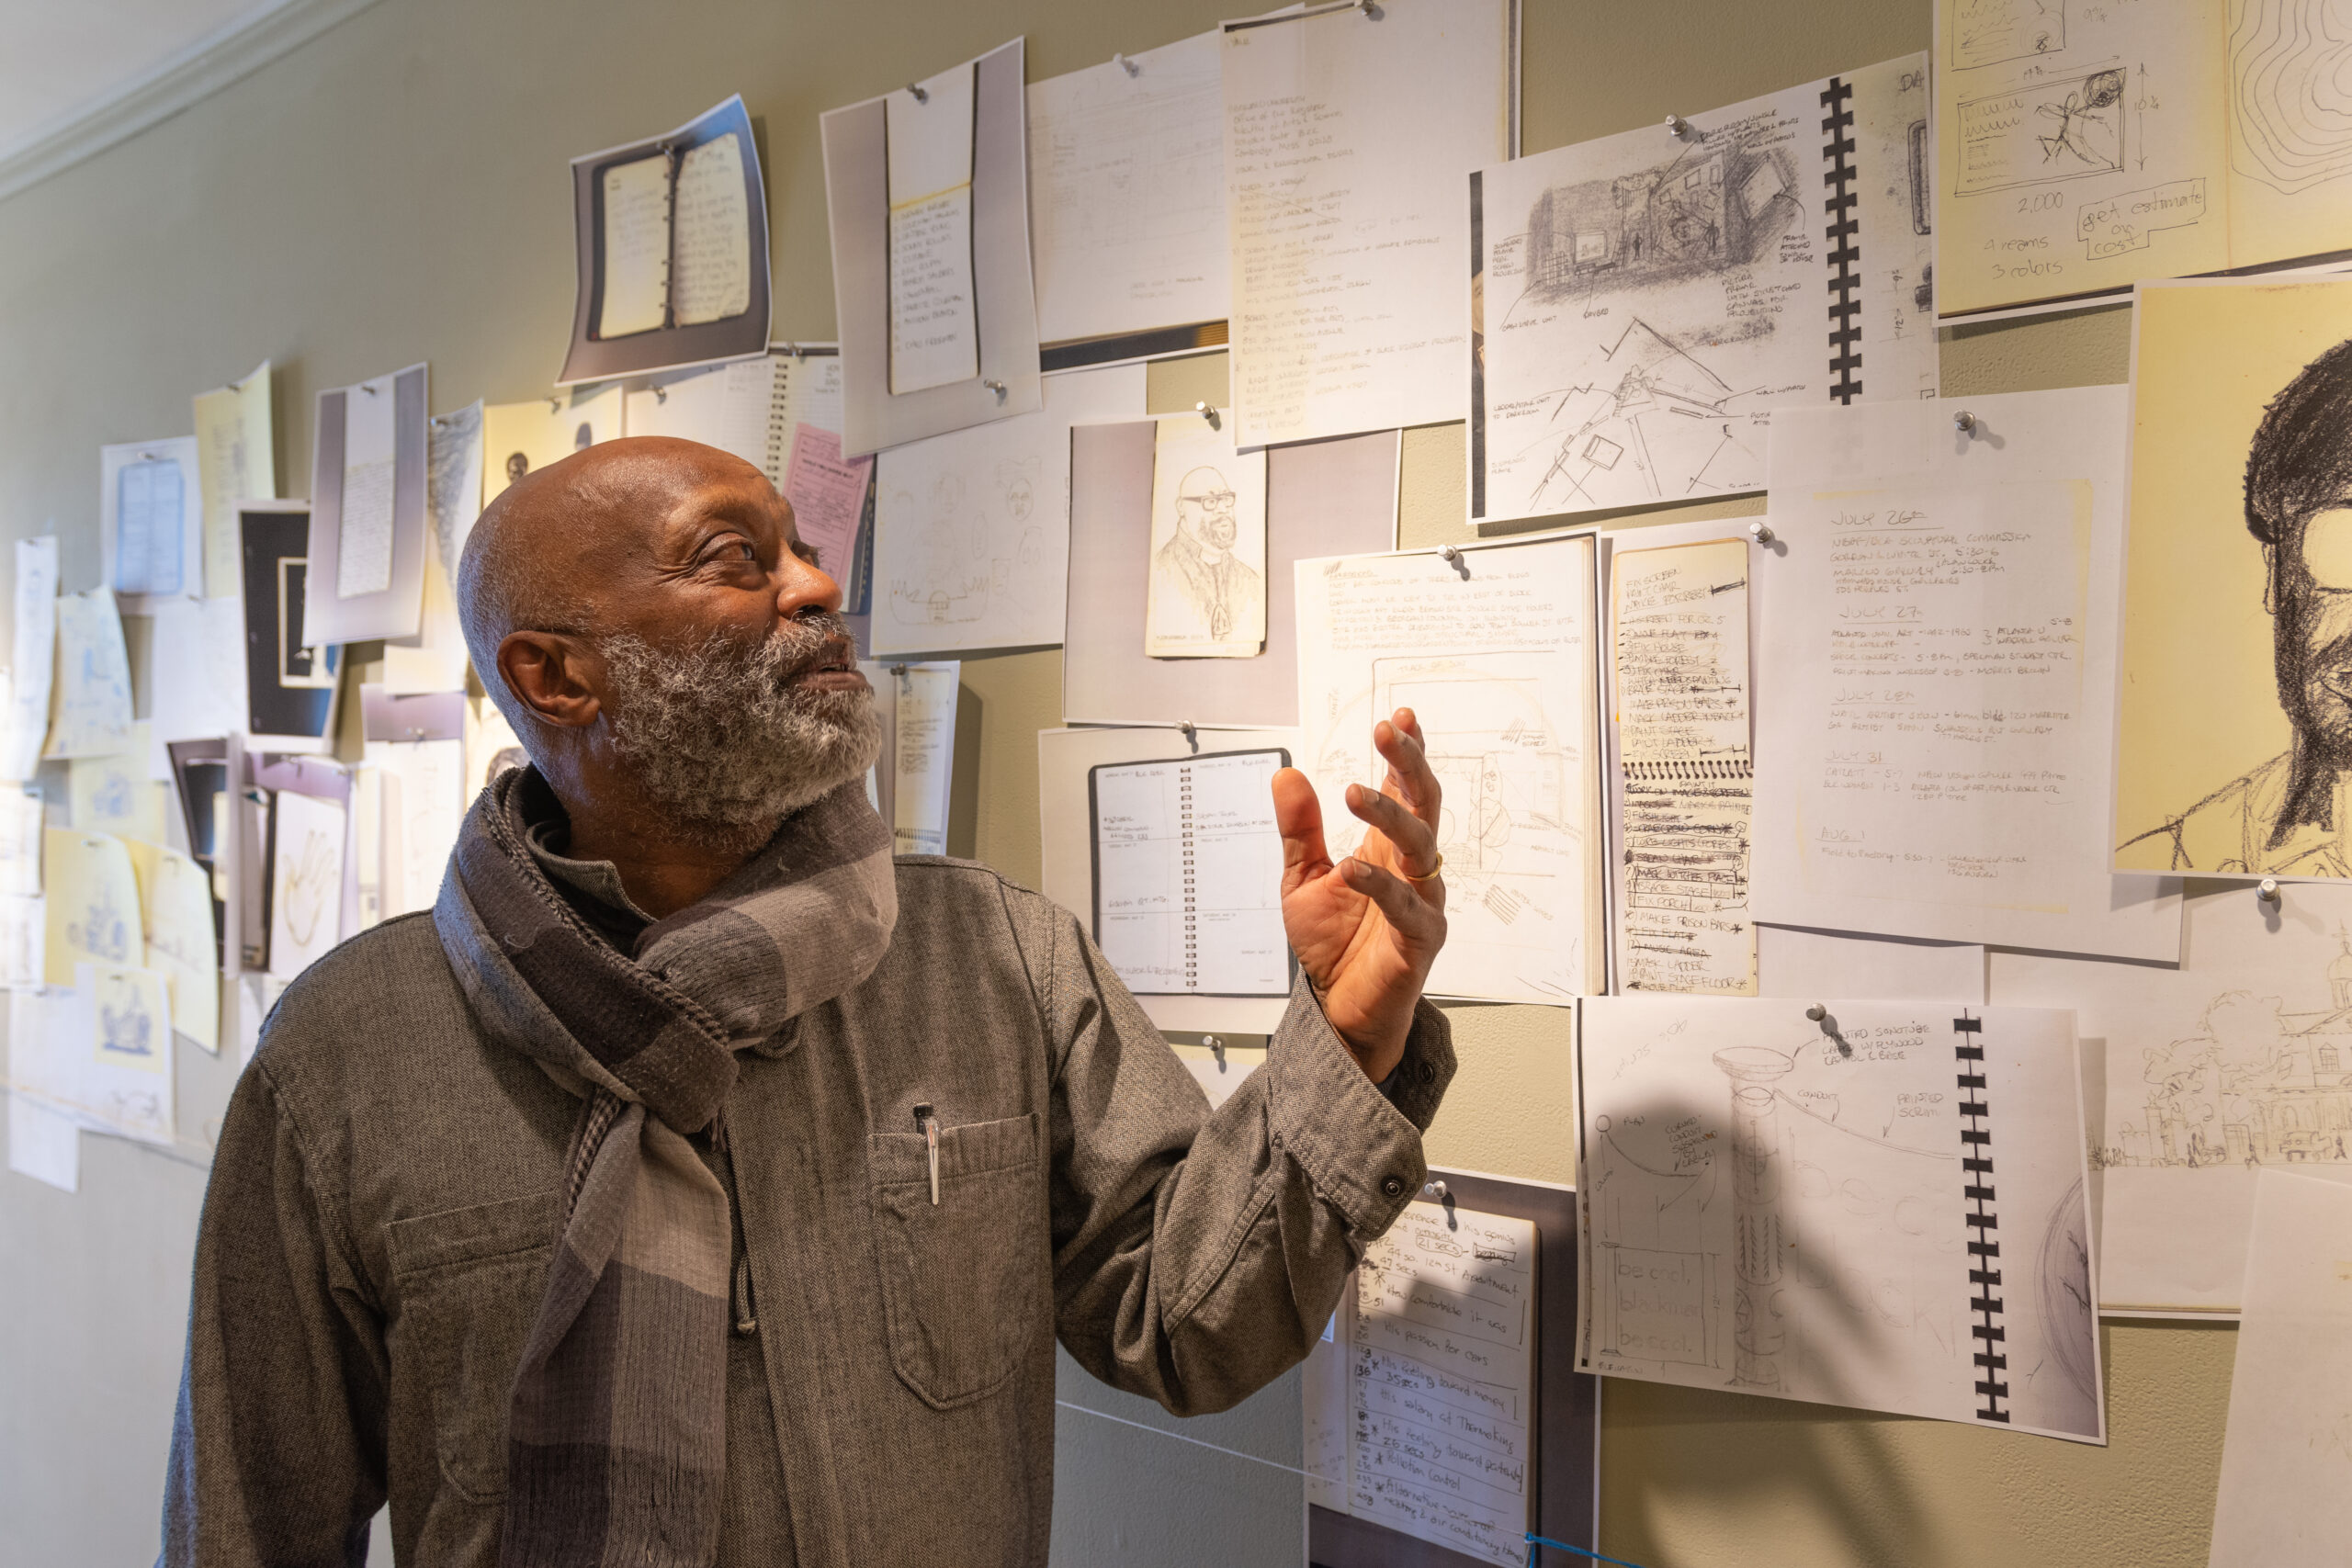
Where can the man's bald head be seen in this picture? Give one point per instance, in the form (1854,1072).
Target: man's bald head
(547,553)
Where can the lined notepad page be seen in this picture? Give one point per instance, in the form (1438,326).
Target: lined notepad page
(1188,875)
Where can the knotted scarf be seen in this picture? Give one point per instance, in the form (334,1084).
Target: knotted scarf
(617,1422)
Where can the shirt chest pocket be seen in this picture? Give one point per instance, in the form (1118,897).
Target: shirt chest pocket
(469,1281)
(963,1280)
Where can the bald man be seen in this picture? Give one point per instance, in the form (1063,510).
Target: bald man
(698,1184)
(1204,590)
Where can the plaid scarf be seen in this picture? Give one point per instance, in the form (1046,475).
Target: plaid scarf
(617,1424)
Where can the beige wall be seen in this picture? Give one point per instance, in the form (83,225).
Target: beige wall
(396,190)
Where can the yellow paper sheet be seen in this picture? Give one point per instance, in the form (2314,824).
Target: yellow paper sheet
(519,437)
(2205,768)
(175,909)
(236,460)
(89,704)
(114,794)
(93,903)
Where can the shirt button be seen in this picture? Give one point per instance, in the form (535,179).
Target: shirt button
(1426,1072)
(1277,1140)
(1392,1187)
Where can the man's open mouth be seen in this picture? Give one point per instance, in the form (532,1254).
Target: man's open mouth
(834,665)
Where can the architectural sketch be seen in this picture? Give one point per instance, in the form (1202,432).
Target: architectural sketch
(2291,120)
(1636,317)
(2282,816)
(1987,32)
(1827,1209)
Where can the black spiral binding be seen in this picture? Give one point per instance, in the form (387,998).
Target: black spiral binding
(1984,1252)
(1690,770)
(1843,234)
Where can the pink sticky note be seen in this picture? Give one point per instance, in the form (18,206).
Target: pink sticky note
(827,495)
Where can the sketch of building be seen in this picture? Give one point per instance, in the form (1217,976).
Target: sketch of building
(1718,203)
(2256,1084)
(2288,128)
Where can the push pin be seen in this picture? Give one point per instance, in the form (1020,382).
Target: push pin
(1370,9)
(1215,1043)
(369,387)
(2269,891)
(1677,127)
(1817,1011)
(1190,731)
(793,349)
(555,403)
(1761,532)
(1964,422)
(1129,66)
(438,422)
(921,94)
(1437,1189)
(996,387)
(661,394)
(1449,553)
(1206,412)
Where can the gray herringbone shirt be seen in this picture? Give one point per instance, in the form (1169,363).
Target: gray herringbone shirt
(384,1200)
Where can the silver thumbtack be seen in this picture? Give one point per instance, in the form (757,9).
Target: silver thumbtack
(1206,412)
(1760,532)
(1449,553)
(1437,1189)
(996,387)
(1129,66)
(1964,422)
(1817,1013)
(922,94)
(1677,127)
(438,423)
(661,394)
(793,349)
(555,403)
(1191,731)
(1215,1043)
(368,388)
(1370,8)
(2269,891)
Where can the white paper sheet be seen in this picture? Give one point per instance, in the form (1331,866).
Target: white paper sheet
(196,672)
(305,882)
(24,946)
(1685,775)
(1440,1383)
(1066,758)
(91,714)
(123,1024)
(1126,193)
(115,795)
(21,831)
(1935,703)
(922,744)
(1347,217)
(637,246)
(1188,870)
(44,1143)
(710,254)
(1323,1388)
(971,529)
(453,481)
(1642,302)
(151,520)
(1207,597)
(934,318)
(34,644)
(423,804)
(1496,659)
(726,406)
(2282,1499)
(364,556)
(1795,1208)
(1803,966)
(175,912)
(2229,1063)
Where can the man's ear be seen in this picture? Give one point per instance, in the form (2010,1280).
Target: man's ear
(553,675)
(2269,579)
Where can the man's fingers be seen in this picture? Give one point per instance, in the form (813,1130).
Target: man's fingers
(1298,816)
(1416,918)
(1399,741)
(1414,841)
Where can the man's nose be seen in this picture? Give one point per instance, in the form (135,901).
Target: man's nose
(801,587)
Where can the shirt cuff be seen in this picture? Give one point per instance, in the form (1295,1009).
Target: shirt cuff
(1359,1142)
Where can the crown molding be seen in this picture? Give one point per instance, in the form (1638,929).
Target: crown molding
(226,55)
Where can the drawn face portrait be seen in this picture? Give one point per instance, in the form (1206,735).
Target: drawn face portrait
(1205,508)
(583,437)
(517,464)
(2298,502)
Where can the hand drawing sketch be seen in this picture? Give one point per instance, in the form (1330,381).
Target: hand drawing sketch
(306,881)
(1834,1210)
(2285,815)
(1636,315)
(2292,117)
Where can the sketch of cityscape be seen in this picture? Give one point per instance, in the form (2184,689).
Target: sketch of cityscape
(2255,1084)
(1715,205)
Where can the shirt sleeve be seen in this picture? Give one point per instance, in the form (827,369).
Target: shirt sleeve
(277,1448)
(1198,1253)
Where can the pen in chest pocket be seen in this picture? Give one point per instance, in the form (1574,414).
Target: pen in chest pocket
(928,1125)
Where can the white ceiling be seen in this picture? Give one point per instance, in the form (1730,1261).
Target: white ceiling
(61,57)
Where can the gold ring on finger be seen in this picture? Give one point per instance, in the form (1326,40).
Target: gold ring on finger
(1431,874)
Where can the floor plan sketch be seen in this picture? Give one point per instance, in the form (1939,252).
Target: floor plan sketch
(1868,1207)
(2290,116)
(1641,303)
(1491,659)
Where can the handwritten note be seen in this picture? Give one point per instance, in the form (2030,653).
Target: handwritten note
(827,495)
(924,743)
(637,246)
(1188,875)
(1347,219)
(710,261)
(1680,625)
(1441,1378)
(935,320)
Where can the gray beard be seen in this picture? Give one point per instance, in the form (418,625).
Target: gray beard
(715,736)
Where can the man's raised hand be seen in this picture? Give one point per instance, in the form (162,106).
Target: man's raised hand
(1367,929)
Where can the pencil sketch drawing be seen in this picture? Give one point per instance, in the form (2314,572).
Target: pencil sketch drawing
(2283,817)
(1717,203)
(1200,567)
(2290,62)
(2062,129)
(1987,32)
(128,1027)
(310,883)
(973,545)
(102,929)
(2252,1083)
